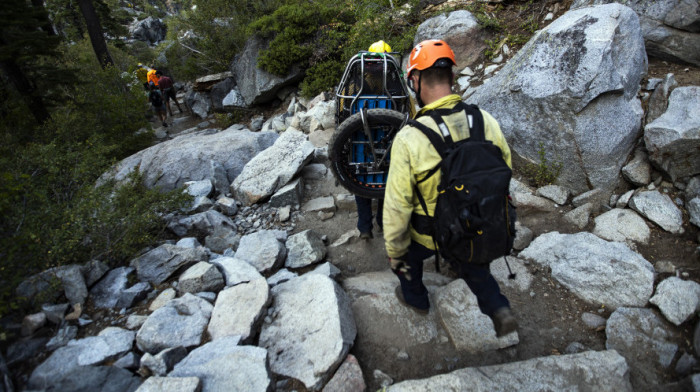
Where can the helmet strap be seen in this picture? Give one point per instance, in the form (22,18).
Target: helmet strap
(418,99)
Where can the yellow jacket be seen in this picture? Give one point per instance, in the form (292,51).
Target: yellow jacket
(142,74)
(412,156)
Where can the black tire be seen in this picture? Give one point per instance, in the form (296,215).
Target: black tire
(353,176)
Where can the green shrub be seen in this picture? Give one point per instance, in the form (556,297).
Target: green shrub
(544,172)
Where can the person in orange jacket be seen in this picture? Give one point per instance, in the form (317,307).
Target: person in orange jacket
(152,77)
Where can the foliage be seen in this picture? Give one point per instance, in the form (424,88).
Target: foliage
(544,172)
(487,19)
(53,214)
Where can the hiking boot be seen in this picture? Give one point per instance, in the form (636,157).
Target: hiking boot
(504,321)
(399,295)
(366,235)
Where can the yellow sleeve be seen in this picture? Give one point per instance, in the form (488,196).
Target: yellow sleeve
(492,132)
(398,200)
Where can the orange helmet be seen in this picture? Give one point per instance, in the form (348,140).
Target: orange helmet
(427,53)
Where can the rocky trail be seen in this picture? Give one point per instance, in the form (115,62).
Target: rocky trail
(266,285)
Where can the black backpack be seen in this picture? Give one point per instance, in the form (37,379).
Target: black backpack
(156,98)
(474,221)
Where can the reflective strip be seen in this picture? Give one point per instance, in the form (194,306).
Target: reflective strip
(471,121)
(444,130)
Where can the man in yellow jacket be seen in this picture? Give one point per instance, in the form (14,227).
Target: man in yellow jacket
(430,76)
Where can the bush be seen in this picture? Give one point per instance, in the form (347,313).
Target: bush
(544,172)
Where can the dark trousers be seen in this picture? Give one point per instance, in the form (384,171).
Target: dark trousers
(478,278)
(364,213)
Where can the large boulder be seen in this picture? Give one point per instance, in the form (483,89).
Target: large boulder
(587,371)
(199,103)
(270,170)
(157,265)
(311,331)
(571,93)
(673,140)
(114,291)
(595,270)
(238,309)
(670,27)
(460,30)
(256,85)
(170,164)
(150,30)
(646,341)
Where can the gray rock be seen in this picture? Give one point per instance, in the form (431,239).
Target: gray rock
(326,269)
(303,249)
(281,276)
(593,321)
(289,195)
(692,190)
(236,271)
(220,91)
(674,138)
(188,242)
(129,361)
(262,250)
(645,340)
(200,224)
(319,204)
(64,335)
(166,384)
(348,377)
(590,370)
(658,208)
(468,328)
(150,30)
(157,265)
(694,211)
(48,285)
(523,277)
(530,201)
(624,199)
(622,226)
(677,299)
(191,157)
(319,117)
(555,193)
(199,103)
(221,239)
(32,322)
(205,83)
(685,364)
(572,82)
(460,30)
(283,213)
(239,309)
(180,322)
(112,291)
(345,202)
(298,348)
(222,366)
(226,206)
(96,378)
(218,176)
(669,27)
(54,313)
(22,350)
(163,362)
(596,197)
(199,188)
(523,236)
(638,170)
(110,343)
(574,348)
(255,85)
(658,102)
(202,276)
(93,271)
(314,171)
(268,171)
(135,321)
(595,270)
(579,216)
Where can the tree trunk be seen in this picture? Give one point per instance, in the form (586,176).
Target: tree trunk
(26,90)
(95,32)
(45,21)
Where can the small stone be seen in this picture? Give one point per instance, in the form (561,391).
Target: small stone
(382,378)
(32,323)
(574,348)
(402,356)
